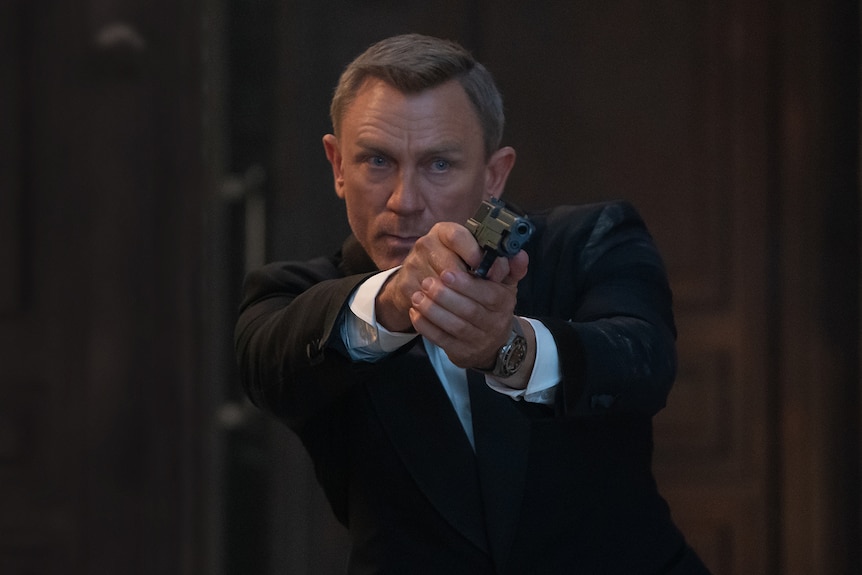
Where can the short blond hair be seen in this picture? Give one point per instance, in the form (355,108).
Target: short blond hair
(413,63)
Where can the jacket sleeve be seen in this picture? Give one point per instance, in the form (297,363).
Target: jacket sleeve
(284,337)
(609,310)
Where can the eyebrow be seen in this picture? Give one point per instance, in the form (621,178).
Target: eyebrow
(445,150)
(442,149)
(368,147)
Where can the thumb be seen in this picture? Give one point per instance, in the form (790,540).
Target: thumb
(518,266)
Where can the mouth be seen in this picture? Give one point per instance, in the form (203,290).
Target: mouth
(399,242)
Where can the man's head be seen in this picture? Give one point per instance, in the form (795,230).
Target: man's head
(413,63)
(411,145)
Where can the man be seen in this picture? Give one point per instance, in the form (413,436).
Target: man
(460,424)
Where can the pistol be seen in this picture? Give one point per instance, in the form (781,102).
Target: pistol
(499,231)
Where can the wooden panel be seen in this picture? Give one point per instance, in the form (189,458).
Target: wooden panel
(12,434)
(30,561)
(817,269)
(12,278)
(11,136)
(698,431)
(101,458)
(38,366)
(640,101)
(18,421)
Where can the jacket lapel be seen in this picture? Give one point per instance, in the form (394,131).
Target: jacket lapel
(502,436)
(428,437)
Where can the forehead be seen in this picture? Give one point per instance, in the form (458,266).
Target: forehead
(444,111)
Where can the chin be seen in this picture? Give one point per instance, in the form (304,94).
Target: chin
(388,260)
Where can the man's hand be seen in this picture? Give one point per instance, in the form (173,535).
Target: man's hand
(445,246)
(436,294)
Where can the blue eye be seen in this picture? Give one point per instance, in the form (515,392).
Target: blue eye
(440,165)
(377,161)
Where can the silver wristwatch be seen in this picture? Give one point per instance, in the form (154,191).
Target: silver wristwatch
(511,355)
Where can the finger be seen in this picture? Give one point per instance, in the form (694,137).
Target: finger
(444,328)
(475,329)
(517,268)
(466,345)
(440,249)
(491,296)
(459,239)
(499,271)
(445,308)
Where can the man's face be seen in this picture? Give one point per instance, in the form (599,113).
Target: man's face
(404,162)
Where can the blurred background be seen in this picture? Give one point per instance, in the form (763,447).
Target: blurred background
(151,151)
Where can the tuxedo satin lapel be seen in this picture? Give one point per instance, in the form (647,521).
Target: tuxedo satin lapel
(502,436)
(428,436)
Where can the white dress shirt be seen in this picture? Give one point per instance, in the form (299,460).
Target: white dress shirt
(367,340)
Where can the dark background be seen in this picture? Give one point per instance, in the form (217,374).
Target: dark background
(151,151)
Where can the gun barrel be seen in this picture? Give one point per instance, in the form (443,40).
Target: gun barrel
(499,232)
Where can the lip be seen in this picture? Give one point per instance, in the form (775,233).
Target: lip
(399,241)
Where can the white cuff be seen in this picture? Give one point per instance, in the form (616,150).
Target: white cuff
(542,387)
(361,333)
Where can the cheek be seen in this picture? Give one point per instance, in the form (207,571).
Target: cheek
(354,211)
(361,211)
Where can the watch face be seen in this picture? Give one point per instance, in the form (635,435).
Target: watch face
(512,355)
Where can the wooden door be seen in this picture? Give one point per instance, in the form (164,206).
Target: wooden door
(665,104)
(104,430)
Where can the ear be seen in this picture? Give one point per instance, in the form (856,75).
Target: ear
(497,171)
(333,154)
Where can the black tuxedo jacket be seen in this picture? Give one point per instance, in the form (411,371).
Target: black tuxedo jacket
(561,489)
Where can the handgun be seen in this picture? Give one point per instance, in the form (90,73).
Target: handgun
(499,231)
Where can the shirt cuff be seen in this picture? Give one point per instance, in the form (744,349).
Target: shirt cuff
(367,333)
(542,387)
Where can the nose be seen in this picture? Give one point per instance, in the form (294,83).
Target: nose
(407,196)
